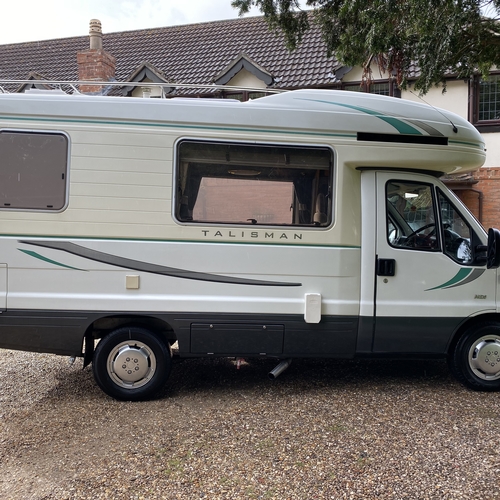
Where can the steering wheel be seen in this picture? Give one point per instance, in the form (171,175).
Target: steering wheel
(412,242)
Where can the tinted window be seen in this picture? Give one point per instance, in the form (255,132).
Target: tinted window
(33,170)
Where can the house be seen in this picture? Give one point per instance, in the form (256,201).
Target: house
(245,53)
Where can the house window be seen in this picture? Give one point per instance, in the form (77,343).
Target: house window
(484,99)
(246,184)
(240,96)
(256,95)
(34,170)
(244,96)
(381,88)
(357,87)
(489,99)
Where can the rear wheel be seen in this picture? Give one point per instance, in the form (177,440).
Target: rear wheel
(131,364)
(476,357)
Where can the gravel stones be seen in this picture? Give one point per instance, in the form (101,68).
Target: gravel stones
(324,429)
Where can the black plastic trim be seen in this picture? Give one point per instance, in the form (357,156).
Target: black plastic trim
(404,139)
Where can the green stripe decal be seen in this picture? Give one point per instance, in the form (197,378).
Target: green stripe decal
(45,259)
(177,126)
(460,276)
(399,125)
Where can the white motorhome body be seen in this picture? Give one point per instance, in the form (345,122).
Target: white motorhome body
(303,224)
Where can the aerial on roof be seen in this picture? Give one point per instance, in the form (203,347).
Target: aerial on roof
(194,54)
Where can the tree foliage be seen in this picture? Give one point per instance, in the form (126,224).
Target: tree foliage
(422,39)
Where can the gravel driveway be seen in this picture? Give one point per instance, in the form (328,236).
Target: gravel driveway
(323,429)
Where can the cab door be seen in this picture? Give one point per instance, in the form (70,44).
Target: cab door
(428,278)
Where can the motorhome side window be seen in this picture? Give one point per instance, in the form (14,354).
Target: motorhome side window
(254,184)
(34,170)
(411,216)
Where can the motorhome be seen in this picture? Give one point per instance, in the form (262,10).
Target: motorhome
(304,224)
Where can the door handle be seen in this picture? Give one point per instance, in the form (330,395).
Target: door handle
(386,267)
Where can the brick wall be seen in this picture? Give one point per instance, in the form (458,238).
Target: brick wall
(489,184)
(95,65)
(471,199)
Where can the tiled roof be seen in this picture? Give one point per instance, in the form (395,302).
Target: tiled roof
(194,53)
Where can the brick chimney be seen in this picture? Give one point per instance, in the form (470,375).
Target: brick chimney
(95,64)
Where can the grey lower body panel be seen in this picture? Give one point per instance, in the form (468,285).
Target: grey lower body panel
(406,335)
(62,332)
(202,334)
(44,331)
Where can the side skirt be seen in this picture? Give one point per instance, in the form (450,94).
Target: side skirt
(198,334)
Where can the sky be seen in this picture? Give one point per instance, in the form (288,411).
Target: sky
(33,20)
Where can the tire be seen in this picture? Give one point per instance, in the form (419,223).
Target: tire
(475,361)
(131,364)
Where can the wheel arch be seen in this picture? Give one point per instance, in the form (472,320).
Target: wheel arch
(465,325)
(104,325)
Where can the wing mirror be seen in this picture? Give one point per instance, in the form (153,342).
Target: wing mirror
(493,249)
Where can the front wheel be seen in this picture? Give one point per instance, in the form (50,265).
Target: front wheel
(131,364)
(475,360)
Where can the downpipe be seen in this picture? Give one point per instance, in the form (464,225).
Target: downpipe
(279,369)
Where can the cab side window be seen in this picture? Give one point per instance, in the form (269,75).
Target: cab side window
(456,232)
(411,216)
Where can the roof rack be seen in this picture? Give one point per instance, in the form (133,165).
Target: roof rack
(72,86)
